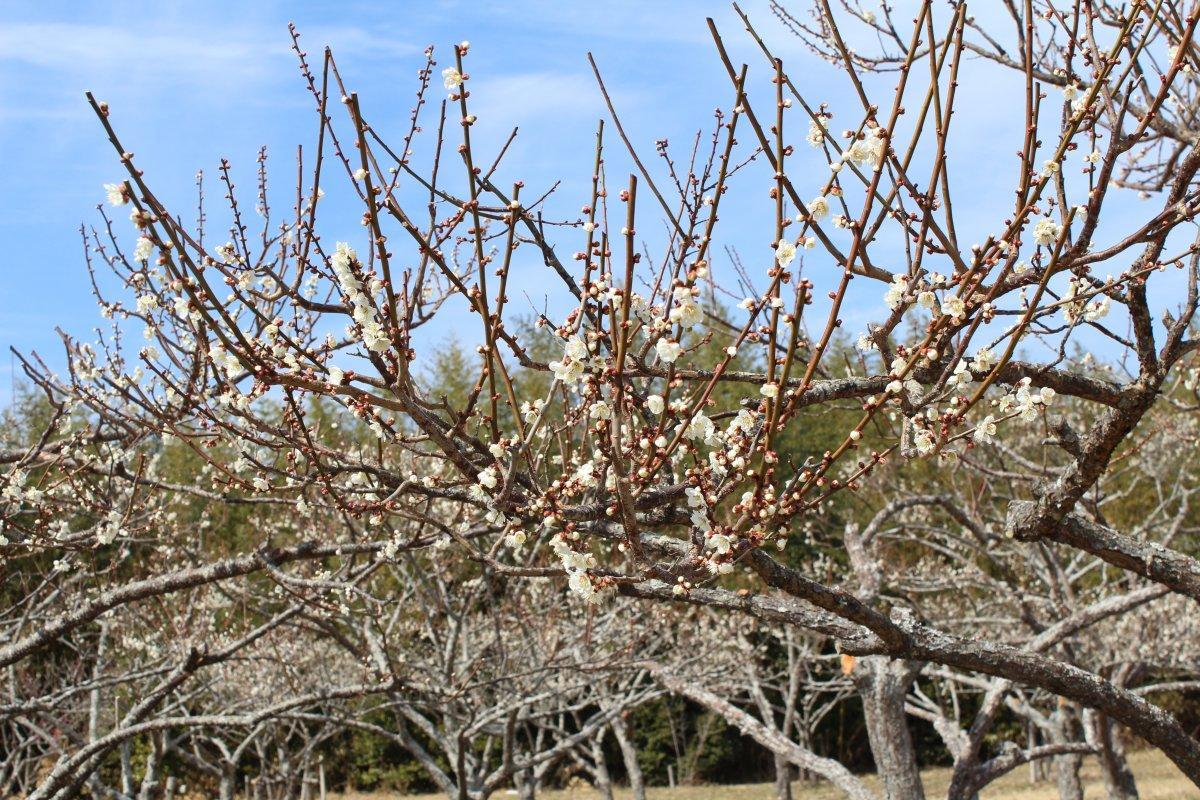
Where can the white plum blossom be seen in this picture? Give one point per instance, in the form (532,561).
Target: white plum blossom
(719,542)
(868,151)
(581,585)
(143,249)
(576,348)
(451,78)
(1077,98)
(668,350)
(894,296)
(985,430)
(816,132)
(576,565)
(655,403)
(962,375)
(569,370)
(1027,403)
(363,313)
(1074,309)
(924,442)
(488,478)
(117,195)
(900,384)
(1097,309)
(686,311)
(587,476)
(1046,231)
(818,208)
(954,307)
(531,411)
(785,251)
(374,337)
(701,428)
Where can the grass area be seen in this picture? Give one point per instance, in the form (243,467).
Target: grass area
(1157,778)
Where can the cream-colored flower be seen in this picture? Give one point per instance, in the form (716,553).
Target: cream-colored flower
(1046,231)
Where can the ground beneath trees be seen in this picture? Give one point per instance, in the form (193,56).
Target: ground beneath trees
(1157,778)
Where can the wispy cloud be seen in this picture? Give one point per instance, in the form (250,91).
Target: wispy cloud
(170,58)
(203,62)
(529,96)
(81,47)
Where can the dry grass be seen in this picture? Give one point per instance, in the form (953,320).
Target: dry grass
(1157,778)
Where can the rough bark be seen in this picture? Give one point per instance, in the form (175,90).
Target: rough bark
(637,783)
(1066,766)
(1171,568)
(1119,782)
(228,785)
(526,785)
(783,778)
(1066,771)
(603,779)
(882,685)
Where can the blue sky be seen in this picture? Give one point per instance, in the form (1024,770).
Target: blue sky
(189,83)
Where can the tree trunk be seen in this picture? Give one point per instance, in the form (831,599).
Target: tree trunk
(228,785)
(637,783)
(291,784)
(882,684)
(1066,770)
(1066,767)
(149,788)
(126,769)
(1037,766)
(804,739)
(526,784)
(1119,782)
(603,779)
(783,778)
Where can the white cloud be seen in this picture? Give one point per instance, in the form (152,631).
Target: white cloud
(215,65)
(80,48)
(518,98)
